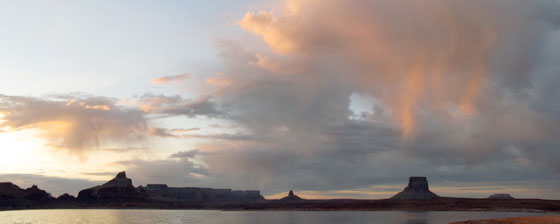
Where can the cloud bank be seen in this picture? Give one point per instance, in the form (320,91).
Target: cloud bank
(456,89)
(75,122)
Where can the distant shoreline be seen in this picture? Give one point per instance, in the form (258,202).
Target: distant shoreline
(297,210)
(120,193)
(515,220)
(436,205)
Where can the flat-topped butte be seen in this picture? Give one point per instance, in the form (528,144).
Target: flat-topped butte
(121,193)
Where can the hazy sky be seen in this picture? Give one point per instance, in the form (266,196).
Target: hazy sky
(328,98)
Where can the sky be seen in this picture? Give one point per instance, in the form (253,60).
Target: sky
(331,99)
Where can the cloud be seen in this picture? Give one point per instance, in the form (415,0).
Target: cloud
(275,32)
(190,154)
(177,170)
(185,154)
(74,122)
(435,54)
(464,92)
(218,81)
(162,132)
(177,106)
(178,133)
(171,78)
(457,88)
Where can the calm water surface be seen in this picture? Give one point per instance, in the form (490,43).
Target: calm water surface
(110,216)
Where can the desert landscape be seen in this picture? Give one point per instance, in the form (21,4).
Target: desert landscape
(121,193)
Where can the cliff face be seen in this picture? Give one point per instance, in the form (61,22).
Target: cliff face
(193,194)
(118,188)
(417,189)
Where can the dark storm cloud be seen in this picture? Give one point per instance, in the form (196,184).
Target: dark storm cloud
(466,90)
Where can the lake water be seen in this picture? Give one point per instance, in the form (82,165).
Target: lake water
(112,216)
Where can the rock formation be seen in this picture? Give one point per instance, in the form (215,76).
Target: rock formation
(291,197)
(118,188)
(417,189)
(500,196)
(35,194)
(120,193)
(8,189)
(14,196)
(66,197)
(193,194)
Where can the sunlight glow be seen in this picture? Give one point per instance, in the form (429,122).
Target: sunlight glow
(20,151)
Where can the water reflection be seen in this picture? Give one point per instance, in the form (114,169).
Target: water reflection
(416,217)
(249,217)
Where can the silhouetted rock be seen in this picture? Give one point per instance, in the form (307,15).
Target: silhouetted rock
(13,196)
(8,189)
(117,192)
(35,194)
(66,197)
(193,194)
(291,197)
(500,196)
(118,188)
(417,189)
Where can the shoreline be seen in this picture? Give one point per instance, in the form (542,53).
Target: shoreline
(297,210)
(436,205)
(553,219)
